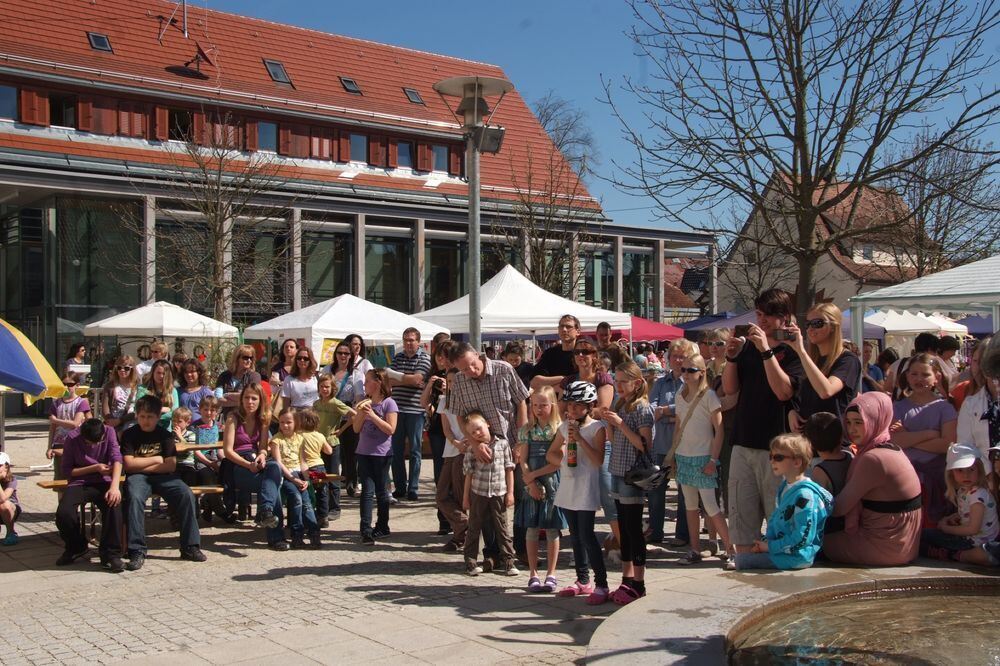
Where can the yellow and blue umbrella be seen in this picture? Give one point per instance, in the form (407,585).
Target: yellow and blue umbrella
(23,368)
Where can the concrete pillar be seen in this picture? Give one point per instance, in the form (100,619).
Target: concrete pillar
(619,245)
(295,272)
(225,312)
(659,276)
(419,264)
(49,328)
(574,269)
(359,256)
(148,283)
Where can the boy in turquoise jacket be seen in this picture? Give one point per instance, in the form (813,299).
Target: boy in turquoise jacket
(795,529)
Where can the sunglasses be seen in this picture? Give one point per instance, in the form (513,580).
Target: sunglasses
(691,371)
(584,352)
(69,384)
(301,358)
(343,353)
(716,343)
(779,457)
(815,323)
(247,358)
(125,368)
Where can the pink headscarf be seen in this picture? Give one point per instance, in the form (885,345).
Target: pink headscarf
(875,408)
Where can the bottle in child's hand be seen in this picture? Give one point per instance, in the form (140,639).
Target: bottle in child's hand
(573,428)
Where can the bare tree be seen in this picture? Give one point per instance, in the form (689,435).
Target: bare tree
(955,197)
(555,215)
(211,224)
(795,109)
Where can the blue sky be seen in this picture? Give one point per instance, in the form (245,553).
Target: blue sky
(560,45)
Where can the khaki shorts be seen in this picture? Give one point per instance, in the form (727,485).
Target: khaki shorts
(752,488)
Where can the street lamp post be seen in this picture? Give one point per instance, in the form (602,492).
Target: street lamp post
(479,138)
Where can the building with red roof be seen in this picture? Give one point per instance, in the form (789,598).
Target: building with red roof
(98,101)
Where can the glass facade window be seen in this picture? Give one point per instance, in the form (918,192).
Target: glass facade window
(440,158)
(388,273)
(260,273)
(267,136)
(327,261)
(599,280)
(444,272)
(359,148)
(8,102)
(637,284)
(404,152)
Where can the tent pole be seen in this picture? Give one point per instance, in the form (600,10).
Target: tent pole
(3,421)
(857,324)
(996,317)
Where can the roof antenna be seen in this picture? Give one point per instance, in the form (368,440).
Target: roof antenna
(170,21)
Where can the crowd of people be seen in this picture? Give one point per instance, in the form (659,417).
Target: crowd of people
(784,423)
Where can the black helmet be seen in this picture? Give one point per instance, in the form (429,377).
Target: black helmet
(579,391)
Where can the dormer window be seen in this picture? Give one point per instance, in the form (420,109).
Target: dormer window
(867,252)
(99,42)
(413,96)
(277,72)
(350,85)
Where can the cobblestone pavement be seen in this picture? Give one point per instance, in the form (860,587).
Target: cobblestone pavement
(348,602)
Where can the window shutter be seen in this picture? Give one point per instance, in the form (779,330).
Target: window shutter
(198,128)
(322,141)
(425,157)
(393,157)
(376,150)
(131,119)
(284,140)
(105,116)
(85,114)
(251,130)
(455,154)
(124,119)
(344,151)
(34,107)
(162,124)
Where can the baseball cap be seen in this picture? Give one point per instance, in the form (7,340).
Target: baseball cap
(4,458)
(961,456)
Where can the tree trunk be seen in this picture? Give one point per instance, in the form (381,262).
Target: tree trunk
(807,284)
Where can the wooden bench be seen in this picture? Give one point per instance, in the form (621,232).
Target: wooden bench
(186,448)
(199,491)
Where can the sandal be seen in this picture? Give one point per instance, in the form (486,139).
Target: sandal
(550,584)
(576,589)
(534,585)
(625,595)
(599,596)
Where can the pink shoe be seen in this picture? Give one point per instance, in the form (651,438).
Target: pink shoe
(576,589)
(625,595)
(598,596)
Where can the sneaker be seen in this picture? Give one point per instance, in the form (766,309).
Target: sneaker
(692,557)
(266,518)
(323,522)
(298,543)
(368,539)
(509,571)
(280,546)
(10,539)
(136,560)
(381,532)
(112,563)
(393,500)
(473,571)
(350,490)
(314,542)
(68,557)
(396,494)
(488,564)
(193,554)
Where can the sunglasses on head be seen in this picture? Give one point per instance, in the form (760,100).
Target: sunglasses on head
(691,371)
(779,457)
(815,323)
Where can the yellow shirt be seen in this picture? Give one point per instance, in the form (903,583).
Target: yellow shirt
(312,447)
(288,450)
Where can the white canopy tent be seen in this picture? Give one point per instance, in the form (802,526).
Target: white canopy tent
(511,303)
(947,325)
(338,317)
(161,320)
(966,288)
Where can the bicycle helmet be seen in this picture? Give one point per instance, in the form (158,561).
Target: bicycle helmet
(579,391)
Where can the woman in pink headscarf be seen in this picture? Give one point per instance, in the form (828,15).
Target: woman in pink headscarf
(880,504)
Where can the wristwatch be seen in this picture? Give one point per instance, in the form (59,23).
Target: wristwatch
(767,354)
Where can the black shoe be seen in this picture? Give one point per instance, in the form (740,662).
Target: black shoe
(193,554)
(381,532)
(68,558)
(350,490)
(323,522)
(314,542)
(298,543)
(113,563)
(229,518)
(266,518)
(368,539)
(398,494)
(280,546)
(334,515)
(206,515)
(412,497)
(444,529)
(135,561)
(244,513)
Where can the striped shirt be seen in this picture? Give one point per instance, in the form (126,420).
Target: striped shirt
(408,397)
(496,393)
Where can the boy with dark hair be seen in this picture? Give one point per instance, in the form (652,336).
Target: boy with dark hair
(150,457)
(92,465)
(826,434)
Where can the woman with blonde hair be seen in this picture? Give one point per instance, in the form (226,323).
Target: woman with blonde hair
(240,373)
(120,393)
(832,373)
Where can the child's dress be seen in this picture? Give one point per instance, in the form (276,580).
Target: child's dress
(990,528)
(529,512)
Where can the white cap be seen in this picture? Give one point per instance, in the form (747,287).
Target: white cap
(4,458)
(961,456)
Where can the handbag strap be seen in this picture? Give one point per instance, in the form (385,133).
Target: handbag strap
(687,417)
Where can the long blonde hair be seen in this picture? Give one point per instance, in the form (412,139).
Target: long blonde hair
(628,403)
(554,419)
(133,377)
(238,353)
(699,362)
(833,317)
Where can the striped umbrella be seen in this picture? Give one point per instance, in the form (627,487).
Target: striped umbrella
(23,368)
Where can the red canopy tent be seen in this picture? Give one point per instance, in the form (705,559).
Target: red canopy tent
(646,330)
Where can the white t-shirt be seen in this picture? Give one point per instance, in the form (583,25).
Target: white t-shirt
(142,368)
(300,394)
(456,428)
(696,440)
(580,486)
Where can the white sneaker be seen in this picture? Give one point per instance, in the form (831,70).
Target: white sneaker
(512,571)
(473,571)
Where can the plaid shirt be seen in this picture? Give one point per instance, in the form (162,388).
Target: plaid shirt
(490,479)
(623,454)
(496,393)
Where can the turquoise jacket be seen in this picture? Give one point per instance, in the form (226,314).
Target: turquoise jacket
(795,530)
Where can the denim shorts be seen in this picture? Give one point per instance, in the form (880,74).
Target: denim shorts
(624,493)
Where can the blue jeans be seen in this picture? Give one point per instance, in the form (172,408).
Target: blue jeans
(586,551)
(266,483)
(935,538)
(373,474)
(138,488)
(300,509)
(607,502)
(408,426)
(328,494)
(754,561)
(437,451)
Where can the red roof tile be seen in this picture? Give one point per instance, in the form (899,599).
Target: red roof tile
(237,46)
